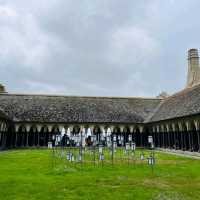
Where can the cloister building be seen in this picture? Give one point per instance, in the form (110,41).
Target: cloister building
(173,121)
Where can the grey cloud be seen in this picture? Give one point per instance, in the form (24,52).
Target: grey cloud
(100,47)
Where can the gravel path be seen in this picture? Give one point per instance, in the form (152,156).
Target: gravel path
(188,154)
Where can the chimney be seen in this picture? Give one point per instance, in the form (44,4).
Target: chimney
(193,68)
(2,89)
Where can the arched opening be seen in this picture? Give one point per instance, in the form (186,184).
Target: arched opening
(119,136)
(75,135)
(161,137)
(145,134)
(97,133)
(171,137)
(54,132)
(10,137)
(127,134)
(3,135)
(138,137)
(32,136)
(194,137)
(43,136)
(156,142)
(165,138)
(162,143)
(21,135)
(88,139)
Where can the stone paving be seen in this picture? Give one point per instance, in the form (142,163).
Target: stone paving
(195,155)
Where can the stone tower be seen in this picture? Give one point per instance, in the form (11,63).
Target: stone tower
(193,68)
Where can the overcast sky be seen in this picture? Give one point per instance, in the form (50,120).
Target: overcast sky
(97,47)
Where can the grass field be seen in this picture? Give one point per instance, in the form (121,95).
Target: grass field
(31,174)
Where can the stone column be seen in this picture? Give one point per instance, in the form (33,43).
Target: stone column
(28,128)
(16,138)
(34,136)
(131,128)
(142,135)
(181,136)
(121,129)
(50,127)
(39,128)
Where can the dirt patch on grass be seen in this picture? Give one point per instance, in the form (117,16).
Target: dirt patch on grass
(169,196)
(156,184)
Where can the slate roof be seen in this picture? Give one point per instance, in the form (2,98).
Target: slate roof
(183,103)
(71,109)
(74,109)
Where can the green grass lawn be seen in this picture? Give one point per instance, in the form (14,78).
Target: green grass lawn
(33,174)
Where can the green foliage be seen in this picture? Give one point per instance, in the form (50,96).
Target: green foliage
(34,175)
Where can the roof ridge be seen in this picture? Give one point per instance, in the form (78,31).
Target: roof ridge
(183,91)
(154,112)
(77,96)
